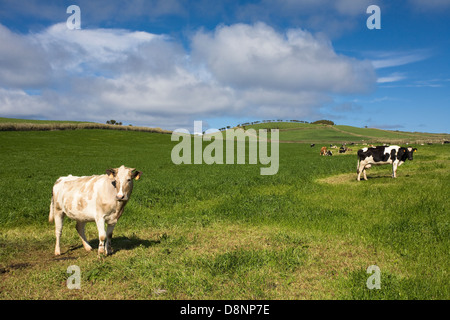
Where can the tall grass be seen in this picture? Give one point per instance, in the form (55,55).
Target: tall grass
(14,126)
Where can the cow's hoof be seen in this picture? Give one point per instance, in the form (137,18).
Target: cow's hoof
(109,251)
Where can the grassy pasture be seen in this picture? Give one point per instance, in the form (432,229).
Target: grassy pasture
(225,231)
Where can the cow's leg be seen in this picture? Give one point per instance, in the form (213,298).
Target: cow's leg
(101,235)
(365,176)
(59,218)
(394,170)
(80,228)
(360,170)
(109,233)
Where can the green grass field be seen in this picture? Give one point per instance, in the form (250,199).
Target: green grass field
(225,231)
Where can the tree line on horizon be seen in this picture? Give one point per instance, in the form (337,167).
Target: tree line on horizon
(327,122)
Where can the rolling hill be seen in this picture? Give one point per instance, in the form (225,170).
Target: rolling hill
(318,133)
(290,132)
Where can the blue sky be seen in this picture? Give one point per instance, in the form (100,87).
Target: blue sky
(166,63)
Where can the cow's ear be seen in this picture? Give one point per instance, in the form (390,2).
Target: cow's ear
(136,175)
(111,173)
(415,149)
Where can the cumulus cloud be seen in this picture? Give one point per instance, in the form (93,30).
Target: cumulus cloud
(147,79)
(257,56)
(103,73)
(91,51)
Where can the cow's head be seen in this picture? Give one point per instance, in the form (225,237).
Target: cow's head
(410,151)
(406,153)
(122,180)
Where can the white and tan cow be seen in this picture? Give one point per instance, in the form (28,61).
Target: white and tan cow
(378,155)
(99,198)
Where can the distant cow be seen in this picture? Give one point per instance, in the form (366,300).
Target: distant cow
(344,149)
(99,198)
(394,155)
(323,151)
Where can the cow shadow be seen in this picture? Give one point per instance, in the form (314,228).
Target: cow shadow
(377,177)
(117,244)
(125,243)
(384,178)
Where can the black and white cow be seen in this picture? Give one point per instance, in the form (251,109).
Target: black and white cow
(394,155)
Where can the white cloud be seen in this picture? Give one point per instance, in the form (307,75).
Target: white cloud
(86,50)
(391,78)
(397,58)
(249,56)
(148,79)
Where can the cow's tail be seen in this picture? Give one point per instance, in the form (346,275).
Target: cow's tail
(51,215)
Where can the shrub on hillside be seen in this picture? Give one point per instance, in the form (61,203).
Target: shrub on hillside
(329,122)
